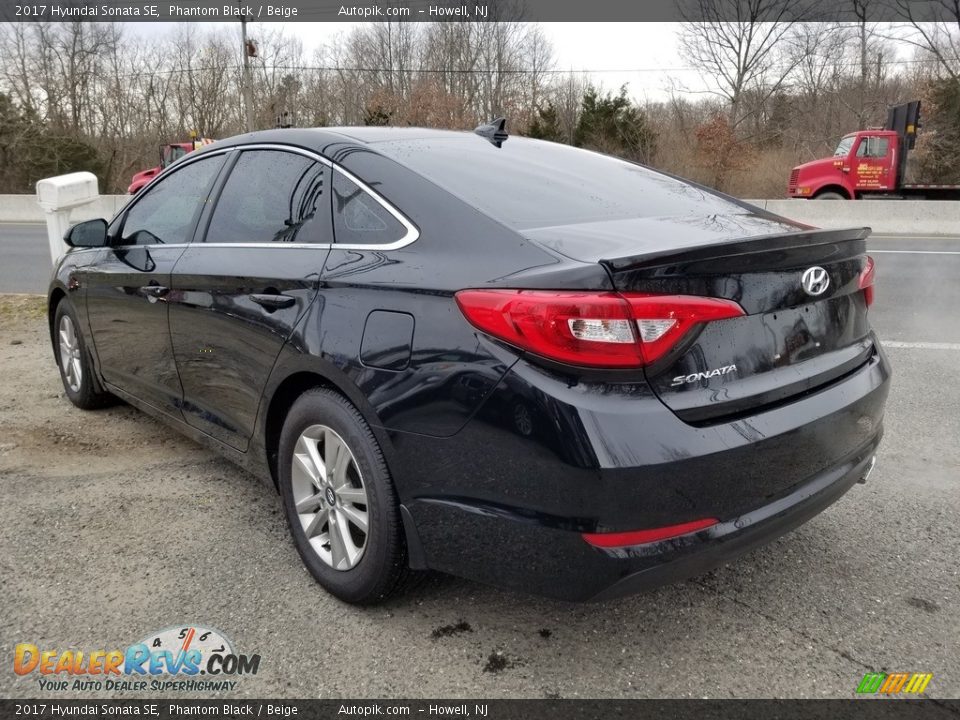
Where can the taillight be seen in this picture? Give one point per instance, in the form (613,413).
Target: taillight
(591,329)
(639,537)
(866,280)
(663,320)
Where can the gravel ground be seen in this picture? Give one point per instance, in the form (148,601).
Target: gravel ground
(113,526)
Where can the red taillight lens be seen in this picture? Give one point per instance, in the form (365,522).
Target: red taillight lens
(638,537)
(580,328)
(866,280)
(591,329)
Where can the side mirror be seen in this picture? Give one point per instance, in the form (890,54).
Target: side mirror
(92,233)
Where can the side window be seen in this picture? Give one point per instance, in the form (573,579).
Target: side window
(359,219)
(273,196)
(873,147)
(167,212)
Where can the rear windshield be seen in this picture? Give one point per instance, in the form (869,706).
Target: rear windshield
(531,184)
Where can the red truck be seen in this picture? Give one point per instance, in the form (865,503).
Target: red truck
(168,155)
(870,164)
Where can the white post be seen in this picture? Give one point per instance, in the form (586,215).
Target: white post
(58,196)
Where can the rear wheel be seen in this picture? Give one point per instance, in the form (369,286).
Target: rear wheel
(830,196)
(76,370)
(339,499)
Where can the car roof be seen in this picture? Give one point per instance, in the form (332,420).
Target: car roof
(319,138)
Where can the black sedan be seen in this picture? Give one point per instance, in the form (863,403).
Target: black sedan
(515,361)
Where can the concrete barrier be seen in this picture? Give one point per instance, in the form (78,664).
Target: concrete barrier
(917,217)
(894,217)
(24,209)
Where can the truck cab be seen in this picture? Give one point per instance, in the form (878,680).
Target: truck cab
(169,154)
(864,162)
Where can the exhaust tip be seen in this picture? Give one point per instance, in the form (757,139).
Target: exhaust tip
(866,473)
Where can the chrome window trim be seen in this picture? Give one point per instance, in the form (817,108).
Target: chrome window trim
(412,231)
(412,234)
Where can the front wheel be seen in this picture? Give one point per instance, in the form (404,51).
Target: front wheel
(830,196)
(339,499)
(76,370)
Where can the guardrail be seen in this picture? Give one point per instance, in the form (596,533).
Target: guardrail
(24,208)
(894,217)
(917,217)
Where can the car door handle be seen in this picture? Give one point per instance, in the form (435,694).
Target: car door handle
(154,292)
(272,302)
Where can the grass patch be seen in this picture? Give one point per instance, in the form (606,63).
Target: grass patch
(22,307)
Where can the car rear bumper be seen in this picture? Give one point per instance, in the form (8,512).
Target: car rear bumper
(508,551)
(722,543)
(510,507)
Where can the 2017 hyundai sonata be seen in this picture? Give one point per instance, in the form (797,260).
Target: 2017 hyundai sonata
(515,361)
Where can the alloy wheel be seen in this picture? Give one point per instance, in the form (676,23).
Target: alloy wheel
(70,354)
(330,497)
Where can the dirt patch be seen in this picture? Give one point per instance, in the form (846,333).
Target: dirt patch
(448,630)
(922,604)
(497,662)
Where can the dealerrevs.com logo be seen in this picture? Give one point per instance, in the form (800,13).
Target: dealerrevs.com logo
(186,658)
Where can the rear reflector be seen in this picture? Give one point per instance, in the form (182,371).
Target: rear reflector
(639,537)
(866,280)
(591,329)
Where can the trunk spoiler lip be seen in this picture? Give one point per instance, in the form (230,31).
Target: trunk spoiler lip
(729,248)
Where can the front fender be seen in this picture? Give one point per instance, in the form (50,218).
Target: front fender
(67,282)
(822,181)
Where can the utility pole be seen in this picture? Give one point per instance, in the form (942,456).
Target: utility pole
(247,98)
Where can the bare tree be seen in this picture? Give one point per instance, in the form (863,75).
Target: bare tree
(935,29)
(100,97)
(742,45)
(821,48)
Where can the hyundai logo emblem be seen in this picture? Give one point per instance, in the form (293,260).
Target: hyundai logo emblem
(815,280)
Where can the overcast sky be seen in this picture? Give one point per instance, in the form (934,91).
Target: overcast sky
(645,56)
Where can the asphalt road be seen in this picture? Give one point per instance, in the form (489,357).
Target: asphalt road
(113,526)
(25,263)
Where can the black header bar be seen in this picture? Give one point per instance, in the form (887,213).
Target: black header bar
(474,11)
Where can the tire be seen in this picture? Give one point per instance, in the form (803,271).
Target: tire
(356,566)
(76,369)
(830,196)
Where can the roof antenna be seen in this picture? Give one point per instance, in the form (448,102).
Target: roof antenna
(495,131)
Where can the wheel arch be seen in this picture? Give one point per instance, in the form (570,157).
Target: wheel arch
(839,189)
(56,296)
(281,399)
(53,301)
(288,385)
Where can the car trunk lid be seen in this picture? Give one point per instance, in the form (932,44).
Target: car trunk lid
(791,341)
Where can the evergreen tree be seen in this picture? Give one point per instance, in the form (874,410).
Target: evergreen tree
(546,125)
(613,124)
